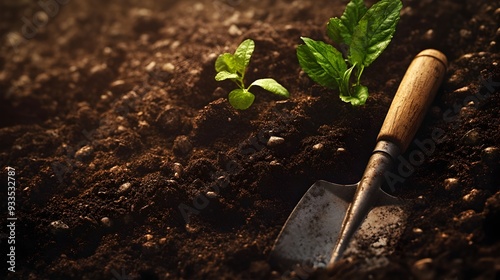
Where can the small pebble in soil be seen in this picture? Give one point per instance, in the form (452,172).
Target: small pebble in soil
(275,141)
(120,87)
(464,33)
(493,44)
(150,67)
(222,181)
(451,184)
(318,147)
(124,187)
(142,125)
(423,269)
(468,220)
(211,195)
(467,111)
(168,67)
(274,163)
(162,241)
(472,137)
(98,70)
(191,229)
(234,30)
(429,35)
(83,152)
(116,169)
(42,78)
(150,248)
(472,196)
(177,170)
(58,226)
(461,90)
(172,183)
(106,96)
(175,45)
(417,230)
(407,11)
(105,221)
(198,7)
(285,104)
(421,202)
(275,274)
(490,156)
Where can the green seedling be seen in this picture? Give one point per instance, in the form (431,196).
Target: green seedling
(233,67)
(361,35)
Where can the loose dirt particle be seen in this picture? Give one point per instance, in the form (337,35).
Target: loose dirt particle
(451,184)
(423,269)
(275,141)
(57,227)
(105,221)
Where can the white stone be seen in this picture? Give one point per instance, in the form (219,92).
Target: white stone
(275,141)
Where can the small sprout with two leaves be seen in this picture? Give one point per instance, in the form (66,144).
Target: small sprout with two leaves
(362,35)
(233,67)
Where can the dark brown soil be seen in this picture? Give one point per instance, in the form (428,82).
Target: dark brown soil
(130,163)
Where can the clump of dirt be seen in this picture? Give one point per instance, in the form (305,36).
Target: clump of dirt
(130,162)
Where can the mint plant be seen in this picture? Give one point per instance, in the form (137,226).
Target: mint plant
(233,67)
(362,35)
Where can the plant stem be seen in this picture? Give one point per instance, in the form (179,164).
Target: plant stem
(346,80)
(359,72)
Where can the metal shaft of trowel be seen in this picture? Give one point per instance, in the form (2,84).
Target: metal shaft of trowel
(366,196)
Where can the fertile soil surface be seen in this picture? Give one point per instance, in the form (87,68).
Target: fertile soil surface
(129,163)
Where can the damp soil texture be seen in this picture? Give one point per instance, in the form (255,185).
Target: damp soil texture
(129,163)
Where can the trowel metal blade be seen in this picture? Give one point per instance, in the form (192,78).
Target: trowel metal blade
(309,235)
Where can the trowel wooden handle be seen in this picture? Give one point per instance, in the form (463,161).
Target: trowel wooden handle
(413,98)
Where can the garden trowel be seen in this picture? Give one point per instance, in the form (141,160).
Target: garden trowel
(332,221)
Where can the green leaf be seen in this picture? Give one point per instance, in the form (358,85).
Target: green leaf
(241,99)
(272,86)
(336,30)
(374,32)
(322,62)
(244,52)
(224,75)
(312,68)
(341,30)
(358,97)
(353,13)
(227,62)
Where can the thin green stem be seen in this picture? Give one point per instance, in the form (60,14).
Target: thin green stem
(346,80)
(359,72)
(242,80)
(239,82)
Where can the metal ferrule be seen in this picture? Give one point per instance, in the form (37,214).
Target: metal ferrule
(387,147)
